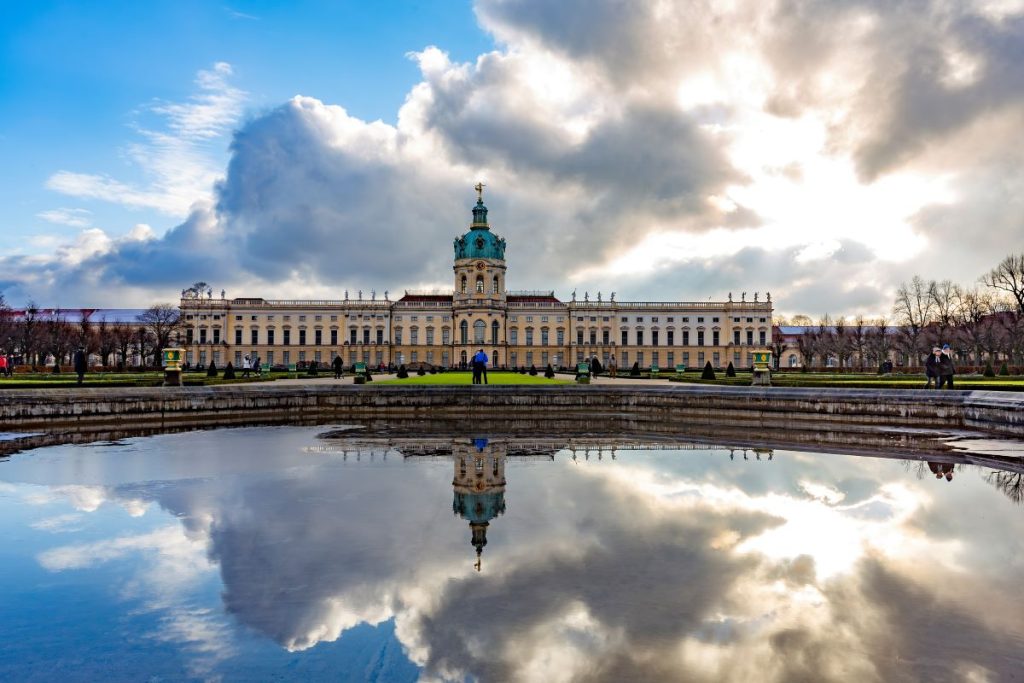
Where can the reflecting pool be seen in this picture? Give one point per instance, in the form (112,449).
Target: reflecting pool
(315,553)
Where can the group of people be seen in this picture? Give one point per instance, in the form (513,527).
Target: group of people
(479,364)
(6,365)
(938,369)
(251,364)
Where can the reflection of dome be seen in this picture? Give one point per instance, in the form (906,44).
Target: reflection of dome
(479,507)
(479,485)
(480,242)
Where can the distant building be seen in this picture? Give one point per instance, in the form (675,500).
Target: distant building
(515,328)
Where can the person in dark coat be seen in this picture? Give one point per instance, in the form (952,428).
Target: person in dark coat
(946,369)
(931,368)
(80,364)
(338,365)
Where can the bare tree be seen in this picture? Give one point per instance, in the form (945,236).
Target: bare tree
(973,316)
(842,345)
(879,341)
(1008,276)
(1011,484)
(7,326)
(161,321)
(28,338)
(914,309)
(946,298)
(858,339)
(106,341)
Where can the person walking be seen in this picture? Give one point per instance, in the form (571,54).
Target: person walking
(246,365)
(946,368)
(256,365)
(81,363)
(480,367)
(931,368)
(3,365)
(612,367)
(339,366)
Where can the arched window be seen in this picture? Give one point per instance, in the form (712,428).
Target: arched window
(479,328)
(464,332)
(462,288)
(479,284)
(494,332)
(494,285)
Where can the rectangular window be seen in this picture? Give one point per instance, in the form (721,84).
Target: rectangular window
(318,337)
(302,319)
(593,337)
(216,335)
(202,358)
(316,354)
(714,320)
(270,357)
(238,336)
(625,337)
(513,359)
(671,359)
(670,339)
(334,337)
(654,337)
(270,336)
(579,337)
(700,319)
(414,336)
(560,336)
(654,359)
(700,358)
(513,336)
(352,336)
(654,319)
(736,337)
(686,358)
(202,335)
(302,337)
(640,358)
(238,359)
(287,337)
(624,320)
(366,337)
(380,336)
(302,355)
(446,336)
(529,358)
(714,337)
(529,336)
(686,337)
(639,337)
(715,360)
(750,337)
(415,356)
(189,335)
(736,358)
(430,336)
(544,337)
(605,337)
(761,336)
(700,337)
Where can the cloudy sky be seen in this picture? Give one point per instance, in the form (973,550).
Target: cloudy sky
(823,151)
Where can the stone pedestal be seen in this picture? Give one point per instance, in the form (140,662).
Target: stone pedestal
(762,377)
(172,377)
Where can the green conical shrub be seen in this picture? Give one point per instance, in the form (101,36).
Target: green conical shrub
(730,371)
(229,371)
(989,372)
(212,370)
(1004,369)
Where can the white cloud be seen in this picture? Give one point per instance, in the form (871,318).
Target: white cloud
(76,218)
(178,164)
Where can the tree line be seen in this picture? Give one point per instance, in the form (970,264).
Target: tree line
(983,323)
(40,338)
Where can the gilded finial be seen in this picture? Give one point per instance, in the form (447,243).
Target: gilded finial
(479,187)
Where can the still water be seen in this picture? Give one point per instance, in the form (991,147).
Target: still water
(286,553)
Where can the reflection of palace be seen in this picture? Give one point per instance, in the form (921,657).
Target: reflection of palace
(516,328)
(479,485)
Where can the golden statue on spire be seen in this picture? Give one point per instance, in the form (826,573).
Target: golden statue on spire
(479,187)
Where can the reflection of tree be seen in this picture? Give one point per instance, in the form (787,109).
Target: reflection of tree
(1011,484)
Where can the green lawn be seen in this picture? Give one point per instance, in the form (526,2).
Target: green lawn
(451,378)
(48,380)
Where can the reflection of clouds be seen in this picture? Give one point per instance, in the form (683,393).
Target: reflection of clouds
(59,523)
(624,571)
(82,498)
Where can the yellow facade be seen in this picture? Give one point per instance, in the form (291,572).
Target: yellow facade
(514,328)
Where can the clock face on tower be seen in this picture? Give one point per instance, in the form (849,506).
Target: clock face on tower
(480,265)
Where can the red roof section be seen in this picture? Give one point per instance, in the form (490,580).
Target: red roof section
(534,299)
(439,298)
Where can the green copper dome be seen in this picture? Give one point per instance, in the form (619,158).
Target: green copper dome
(480,242)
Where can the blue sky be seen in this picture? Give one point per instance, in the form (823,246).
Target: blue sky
(825,152)
(75,81)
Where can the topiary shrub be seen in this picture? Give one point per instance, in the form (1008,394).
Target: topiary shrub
(635,370)
(402,372)
(522,371)
(1004,369)
(709,372)
(549,372)
(229,371)
(422,371)
(212,370)
(433,370)
(56,368)
(730,371)
(989,372)
(533,370)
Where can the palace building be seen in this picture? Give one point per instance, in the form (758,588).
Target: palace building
(515,328)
